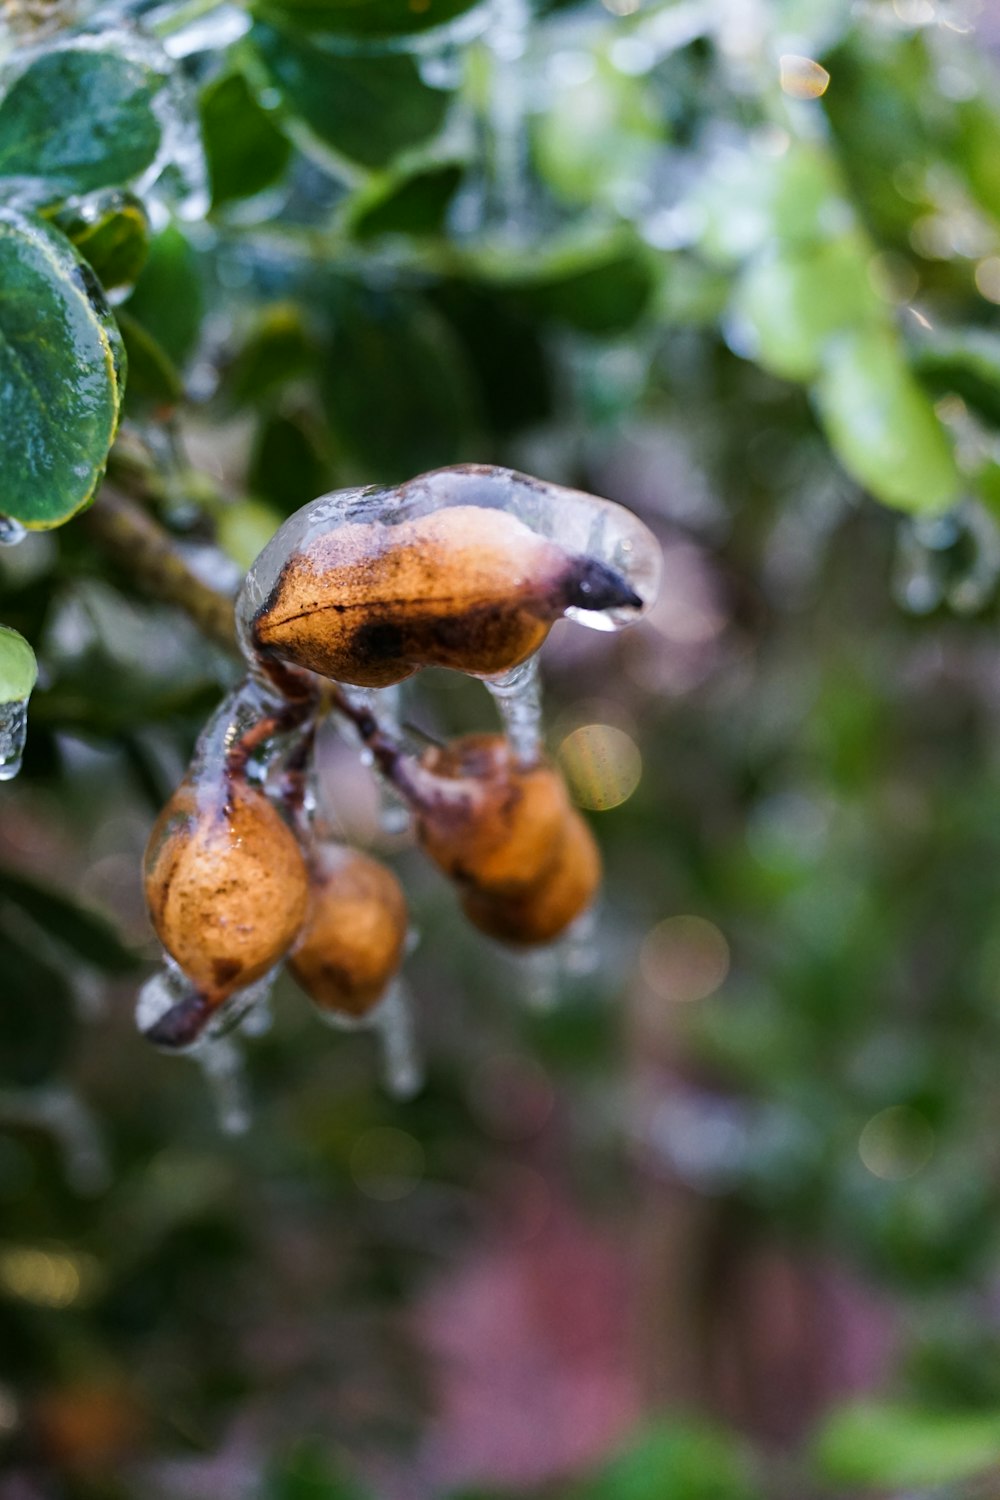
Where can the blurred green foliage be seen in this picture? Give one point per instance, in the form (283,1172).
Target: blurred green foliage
(346,240)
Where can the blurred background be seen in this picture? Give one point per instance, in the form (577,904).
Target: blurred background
(722,1222)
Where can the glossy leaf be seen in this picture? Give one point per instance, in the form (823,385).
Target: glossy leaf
(882,426)
(18,667)
(111,232)
(61,372)
(368,109)
(873,1447)
(245,150)
(80,117)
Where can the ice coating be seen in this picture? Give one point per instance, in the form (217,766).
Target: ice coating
(13,734)
(466,567)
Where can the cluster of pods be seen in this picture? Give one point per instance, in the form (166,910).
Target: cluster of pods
(465,568)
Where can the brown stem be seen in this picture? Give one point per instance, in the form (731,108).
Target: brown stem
(151,555)
(152,558)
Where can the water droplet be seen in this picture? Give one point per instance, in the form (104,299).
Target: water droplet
(11,532)
(13,733)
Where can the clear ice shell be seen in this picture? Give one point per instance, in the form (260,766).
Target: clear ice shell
(11,532)
(13,733)
(582,524)
(518,696)
(392,1021)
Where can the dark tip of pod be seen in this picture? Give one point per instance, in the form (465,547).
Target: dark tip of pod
(181,1024)
(592,584)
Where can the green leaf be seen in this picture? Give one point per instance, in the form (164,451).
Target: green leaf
(244,527)
(416,206)
(278,348)
(307,1474)
(245,150)
(596,133)
(153,378)
(81,118)
(395,387)
(111,232)
(290,465)
(369,109)
(672,1462)
(794,302)
(18,667)
(168,297)
(884,1446)
(965,361)
(749,200)
(62,369)
(603,291)
(373,19)
(86,933)
(882,426)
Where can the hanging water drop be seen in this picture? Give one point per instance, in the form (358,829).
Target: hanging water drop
(221,1062)
(402,1064)
(11,532)
(13,733)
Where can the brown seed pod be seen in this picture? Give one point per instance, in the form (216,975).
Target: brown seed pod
(496,824)
(562,893)
(351,945)
(227,891)
(467,587)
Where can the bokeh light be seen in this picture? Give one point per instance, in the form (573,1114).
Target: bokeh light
(684,958)
(602,765)
(386,1163)
(896,1143)
(801,77)
(987,275)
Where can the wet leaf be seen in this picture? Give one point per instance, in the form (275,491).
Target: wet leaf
(18,668)
(111,232)
(80,117)
(245,149)
(879,1446)
(61,370)
(882,426)
(368,109)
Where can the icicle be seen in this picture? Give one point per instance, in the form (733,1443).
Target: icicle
(221,1061)
(538,972)
(579,952)
(11,532)
(13,734)
(402,1064)
(518,696)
